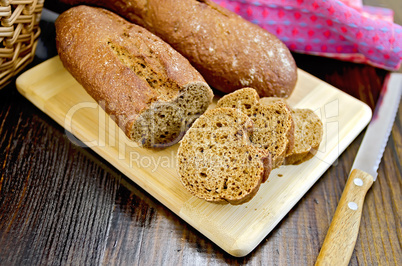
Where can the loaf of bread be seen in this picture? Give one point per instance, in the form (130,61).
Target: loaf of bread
(273,124)
(308,133)
(150,90)
(217,162)
(230,52)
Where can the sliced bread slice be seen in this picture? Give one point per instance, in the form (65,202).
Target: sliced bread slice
(216,160)
(273,124)
(307,135)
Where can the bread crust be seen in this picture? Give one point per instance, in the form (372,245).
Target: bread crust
(229,51)
(124,67)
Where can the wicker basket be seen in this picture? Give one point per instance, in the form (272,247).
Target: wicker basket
(19,32)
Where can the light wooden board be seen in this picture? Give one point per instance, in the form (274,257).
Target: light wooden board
(236,229)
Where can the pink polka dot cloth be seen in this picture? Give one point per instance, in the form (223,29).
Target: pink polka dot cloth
(341,29)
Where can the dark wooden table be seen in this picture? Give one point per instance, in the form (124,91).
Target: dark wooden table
(63,204)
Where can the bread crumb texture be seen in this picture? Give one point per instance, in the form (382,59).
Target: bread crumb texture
(273,124)
(308,132)
(216,160)
(230,150)
(308,136)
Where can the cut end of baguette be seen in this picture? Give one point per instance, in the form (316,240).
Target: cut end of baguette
(217,162)
(165,122)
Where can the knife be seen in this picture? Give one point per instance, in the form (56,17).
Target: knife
(342,234)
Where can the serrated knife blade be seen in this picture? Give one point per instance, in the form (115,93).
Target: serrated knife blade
(342,234)
(375,139)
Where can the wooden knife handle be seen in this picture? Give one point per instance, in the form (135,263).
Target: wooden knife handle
(342,234)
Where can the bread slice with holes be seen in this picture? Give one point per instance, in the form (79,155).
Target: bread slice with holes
(273,125)
(150,90)
(216,160)
(308,136)
(308,133)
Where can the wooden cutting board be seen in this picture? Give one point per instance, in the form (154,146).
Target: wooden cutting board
(236,229)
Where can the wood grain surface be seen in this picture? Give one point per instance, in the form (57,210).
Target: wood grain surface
(61,203)
(236,229)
